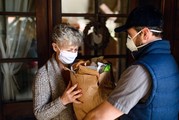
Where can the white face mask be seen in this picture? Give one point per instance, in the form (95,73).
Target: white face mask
(130,43)
(67,57)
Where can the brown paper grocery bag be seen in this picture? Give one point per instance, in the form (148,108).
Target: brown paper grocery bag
(95,87)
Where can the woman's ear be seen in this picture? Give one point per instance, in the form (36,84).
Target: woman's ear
(55,47)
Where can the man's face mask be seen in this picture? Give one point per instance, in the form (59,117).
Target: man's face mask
(130,43)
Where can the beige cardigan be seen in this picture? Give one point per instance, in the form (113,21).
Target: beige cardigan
(48,86)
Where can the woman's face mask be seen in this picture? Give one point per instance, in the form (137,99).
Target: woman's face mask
(68,54)
(67,57)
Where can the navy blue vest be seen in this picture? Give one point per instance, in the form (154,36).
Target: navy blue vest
(163,102)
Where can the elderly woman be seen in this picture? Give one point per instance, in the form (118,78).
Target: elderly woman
(52,89)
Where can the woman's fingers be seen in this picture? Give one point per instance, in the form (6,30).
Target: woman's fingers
(72,94)
(72,88)
(69,85)
(76,100)
(76,92)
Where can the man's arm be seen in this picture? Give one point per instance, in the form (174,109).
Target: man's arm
(105,111)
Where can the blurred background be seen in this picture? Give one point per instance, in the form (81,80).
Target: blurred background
(25,40)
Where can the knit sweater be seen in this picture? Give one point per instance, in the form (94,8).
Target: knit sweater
(48,86)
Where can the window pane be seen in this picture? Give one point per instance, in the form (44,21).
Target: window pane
(113,6)
(18,37)
(17,80)
(100,38)
(17,5)
(76,6)
(88,6)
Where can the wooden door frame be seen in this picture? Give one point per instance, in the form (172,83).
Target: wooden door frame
(44,25)
(170,24)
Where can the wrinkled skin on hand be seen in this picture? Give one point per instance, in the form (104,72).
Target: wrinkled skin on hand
(71,94)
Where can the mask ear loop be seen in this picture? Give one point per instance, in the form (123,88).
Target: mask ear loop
(157,31)
(136,34)
(128,36)
(152,30)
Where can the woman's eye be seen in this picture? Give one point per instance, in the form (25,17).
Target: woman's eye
(72,50)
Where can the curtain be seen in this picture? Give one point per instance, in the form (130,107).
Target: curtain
(15,44)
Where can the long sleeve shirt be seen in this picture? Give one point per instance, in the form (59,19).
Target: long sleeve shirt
(48,86)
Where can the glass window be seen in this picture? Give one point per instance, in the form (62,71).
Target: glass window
(17,80)
(18,49)
(75,6)
(17,6)
(18,37)
(98,24)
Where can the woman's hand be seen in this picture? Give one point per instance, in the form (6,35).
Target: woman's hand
(71,95)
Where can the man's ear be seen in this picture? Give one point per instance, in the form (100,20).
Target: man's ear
(54,46)
(146,34)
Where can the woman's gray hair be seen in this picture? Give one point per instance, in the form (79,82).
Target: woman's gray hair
(64,34)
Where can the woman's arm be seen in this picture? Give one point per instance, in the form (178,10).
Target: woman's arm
(45,109)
